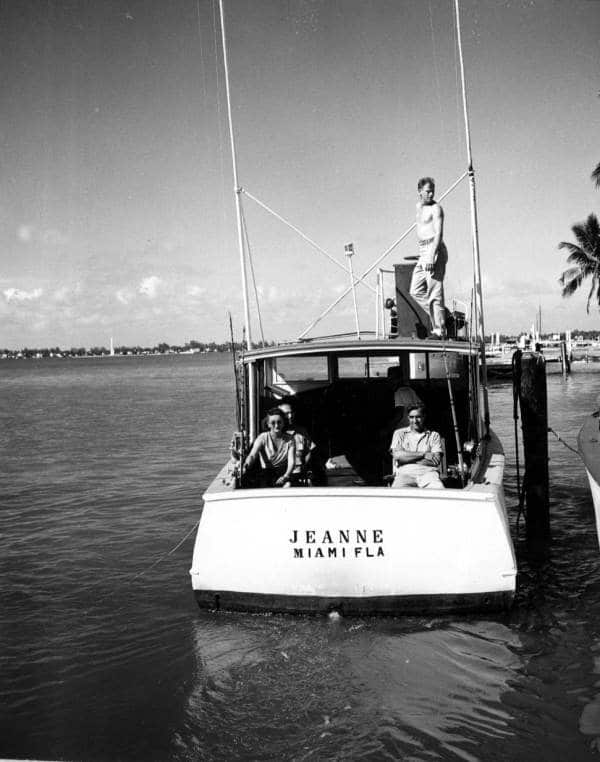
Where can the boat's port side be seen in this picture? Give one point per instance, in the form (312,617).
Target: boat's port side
(352,404)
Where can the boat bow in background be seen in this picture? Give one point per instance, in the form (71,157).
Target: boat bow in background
(588,443)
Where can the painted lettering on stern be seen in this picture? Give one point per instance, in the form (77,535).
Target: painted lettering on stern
(337,543)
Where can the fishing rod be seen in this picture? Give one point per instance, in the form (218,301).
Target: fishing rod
(238,443)
(238,403)
(461,465)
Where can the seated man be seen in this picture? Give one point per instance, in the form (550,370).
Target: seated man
(404,395)
(417,453)
(304,444)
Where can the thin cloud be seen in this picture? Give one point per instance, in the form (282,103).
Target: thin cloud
(17,295)
(25,233)
(124,295)
(149,286)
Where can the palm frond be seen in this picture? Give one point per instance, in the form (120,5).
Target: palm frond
(571,280)
(588,235)
(585,258)
(577,255)
(596,176)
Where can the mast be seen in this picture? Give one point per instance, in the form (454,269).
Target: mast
(236,185)
(477,290)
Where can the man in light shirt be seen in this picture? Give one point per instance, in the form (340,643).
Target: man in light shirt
(417,453)
(427,284)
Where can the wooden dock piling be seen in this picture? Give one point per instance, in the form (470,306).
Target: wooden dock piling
(530,370)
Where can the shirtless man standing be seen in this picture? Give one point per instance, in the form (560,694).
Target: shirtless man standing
(427,284)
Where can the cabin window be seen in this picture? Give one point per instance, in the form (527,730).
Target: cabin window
(302,368)
(292,375)
(434,365)
(353,367)
(366,367)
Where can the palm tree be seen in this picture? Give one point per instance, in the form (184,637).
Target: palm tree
(585,258)
(596,176)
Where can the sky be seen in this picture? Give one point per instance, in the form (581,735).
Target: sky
(117,203)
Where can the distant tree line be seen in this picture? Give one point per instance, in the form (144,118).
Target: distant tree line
(575,333)
(160,349)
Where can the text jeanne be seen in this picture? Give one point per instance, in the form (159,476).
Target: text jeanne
(336,536)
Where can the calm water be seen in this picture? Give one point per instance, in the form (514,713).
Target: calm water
(104,655)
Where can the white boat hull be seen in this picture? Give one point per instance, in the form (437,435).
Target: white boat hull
(589,449)
(355,549)
(595,490)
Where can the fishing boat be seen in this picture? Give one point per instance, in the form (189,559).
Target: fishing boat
(344,539)
(588,443)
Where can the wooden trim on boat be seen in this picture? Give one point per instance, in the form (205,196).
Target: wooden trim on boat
(374,346)
(228,600)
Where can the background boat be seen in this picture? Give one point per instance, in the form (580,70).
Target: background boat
(589,449)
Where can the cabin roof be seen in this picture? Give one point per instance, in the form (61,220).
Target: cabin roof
(345,345)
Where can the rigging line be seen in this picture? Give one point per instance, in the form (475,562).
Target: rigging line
(219,122)
(562,441)
(202,67)
(166,555)
(459,143)
(251,262)
(301,234)
(436,73)
(377,261)
(133,577)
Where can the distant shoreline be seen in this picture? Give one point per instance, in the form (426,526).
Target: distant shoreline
(189,348)
(19,355)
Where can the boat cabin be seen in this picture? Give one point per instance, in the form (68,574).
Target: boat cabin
(351,395)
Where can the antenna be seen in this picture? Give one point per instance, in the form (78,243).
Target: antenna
(349,250)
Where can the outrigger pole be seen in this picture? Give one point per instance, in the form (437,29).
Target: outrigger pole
(474,230)
(236,185)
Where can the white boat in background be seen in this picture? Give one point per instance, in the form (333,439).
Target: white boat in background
(354,544)
(588,443)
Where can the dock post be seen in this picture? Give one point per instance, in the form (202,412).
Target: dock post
(533,399)
(564,359)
